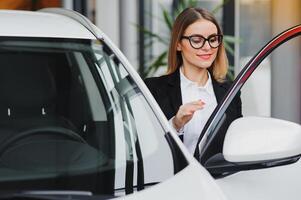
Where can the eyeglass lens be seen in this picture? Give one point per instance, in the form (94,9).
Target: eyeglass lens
(198,41)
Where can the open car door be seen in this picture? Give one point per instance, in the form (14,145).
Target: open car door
(261,153)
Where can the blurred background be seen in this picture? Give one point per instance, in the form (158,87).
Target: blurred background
(141,29)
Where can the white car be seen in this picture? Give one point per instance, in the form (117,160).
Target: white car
(77,122)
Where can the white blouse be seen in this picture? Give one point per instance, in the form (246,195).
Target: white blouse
(192,92)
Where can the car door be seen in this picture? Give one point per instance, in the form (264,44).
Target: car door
(263,174)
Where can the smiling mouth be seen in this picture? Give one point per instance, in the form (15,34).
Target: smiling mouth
(204,56)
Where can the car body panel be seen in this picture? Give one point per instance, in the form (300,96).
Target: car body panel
(193,182)
(275,183)
(39,24)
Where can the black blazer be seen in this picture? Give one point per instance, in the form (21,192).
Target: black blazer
(167,92)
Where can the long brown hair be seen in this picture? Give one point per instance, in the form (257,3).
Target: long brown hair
(188,16)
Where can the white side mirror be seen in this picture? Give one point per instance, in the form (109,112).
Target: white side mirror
(260,139)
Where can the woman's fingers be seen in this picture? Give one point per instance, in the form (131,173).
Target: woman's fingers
(198,102)
(186,111)
(190,108)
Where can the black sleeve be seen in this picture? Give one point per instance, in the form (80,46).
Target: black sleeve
(236,103)
(150,83)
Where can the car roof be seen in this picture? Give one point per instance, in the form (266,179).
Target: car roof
(41,24)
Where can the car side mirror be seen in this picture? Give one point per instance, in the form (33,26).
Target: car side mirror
(257,142)
(252,139)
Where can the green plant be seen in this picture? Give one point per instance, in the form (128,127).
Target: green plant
(151,66)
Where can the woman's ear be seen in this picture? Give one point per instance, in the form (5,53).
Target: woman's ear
(179,47)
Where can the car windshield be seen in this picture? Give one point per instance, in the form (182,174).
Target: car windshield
(72,118)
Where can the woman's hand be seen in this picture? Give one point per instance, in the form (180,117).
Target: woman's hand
(185,113)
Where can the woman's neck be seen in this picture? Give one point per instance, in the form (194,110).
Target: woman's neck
(195,74)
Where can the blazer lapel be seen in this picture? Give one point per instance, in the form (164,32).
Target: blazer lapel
(174,90)
(219,90)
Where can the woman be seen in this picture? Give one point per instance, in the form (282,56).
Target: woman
(195,80)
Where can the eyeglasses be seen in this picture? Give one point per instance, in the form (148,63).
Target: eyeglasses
(198,41)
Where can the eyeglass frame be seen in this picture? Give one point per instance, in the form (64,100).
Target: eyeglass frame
(205,40)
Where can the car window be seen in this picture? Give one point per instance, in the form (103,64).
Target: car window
(72,118)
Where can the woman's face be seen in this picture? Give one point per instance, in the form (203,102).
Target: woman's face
(202,57)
